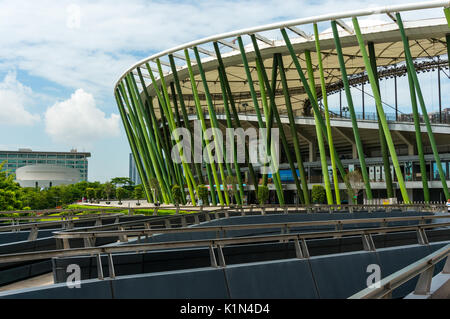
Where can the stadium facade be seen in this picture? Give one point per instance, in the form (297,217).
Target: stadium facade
(281,76)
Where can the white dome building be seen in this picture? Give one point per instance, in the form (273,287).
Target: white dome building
(46,175)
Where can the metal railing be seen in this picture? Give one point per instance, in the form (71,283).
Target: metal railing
(299,240)
(423,267)
(223,229)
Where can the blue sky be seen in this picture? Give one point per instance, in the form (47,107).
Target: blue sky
(59,61)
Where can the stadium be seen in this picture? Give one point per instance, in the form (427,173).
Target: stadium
(240,79)
(382,230)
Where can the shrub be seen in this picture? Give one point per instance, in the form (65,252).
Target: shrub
(177,195)
(318,194)
(263,194)
(203,194)
(120,193)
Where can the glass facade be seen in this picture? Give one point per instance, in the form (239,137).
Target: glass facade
(19,159)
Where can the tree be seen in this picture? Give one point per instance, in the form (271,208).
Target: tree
(357,184)
(203,195)
(138,192)
(90,193)
(108,189)
(120,194)
(318,194)
(10,192)
(263,194)
(124,182)
(154,186)
(177,195)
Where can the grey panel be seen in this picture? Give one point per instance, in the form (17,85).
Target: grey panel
(208,283)
(288,279)
(340,276)
(91,289)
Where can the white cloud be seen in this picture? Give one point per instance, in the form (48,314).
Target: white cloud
(14,97)
(78,122)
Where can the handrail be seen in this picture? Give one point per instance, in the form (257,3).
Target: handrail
(30,256)
(150,231)
(423,267)
(56,222)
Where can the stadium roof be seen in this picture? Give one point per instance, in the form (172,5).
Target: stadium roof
(427,41)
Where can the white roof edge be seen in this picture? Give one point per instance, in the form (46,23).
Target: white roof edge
(295,22)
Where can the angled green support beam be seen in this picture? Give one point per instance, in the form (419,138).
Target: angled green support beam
(258,114)
(235,114)
(165,103)
(354,121)
(148,134)
(204,128)
(239,195)
(252,92)
(383,143)
(320,142)
(305,198)
(423,168)
(188,126)
(214,125)
(265,88)
(133,147)
(412,69)
(327,115)
(447,39)
(315,106)
(140,142)
(274,110)
(382,116)
(178,119)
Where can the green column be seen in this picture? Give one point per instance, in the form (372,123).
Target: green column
(187,125)
(315,106)
(274,109)
(447,38)
(140,144)
(327,115)
(380,110)
(214,124)
(423,168)
(348,94)
(148,136)
(322,152)
(231,138)
(305,198)
(203,123)
(229,93)
(165,103)
(133,147)
(268,114)
(258,113)
(383,143)
(412,69)
(447,15)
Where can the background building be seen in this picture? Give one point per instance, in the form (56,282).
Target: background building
(25,157)
(44,175)
(133,172)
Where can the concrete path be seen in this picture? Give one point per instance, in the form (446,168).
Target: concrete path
(39,281)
